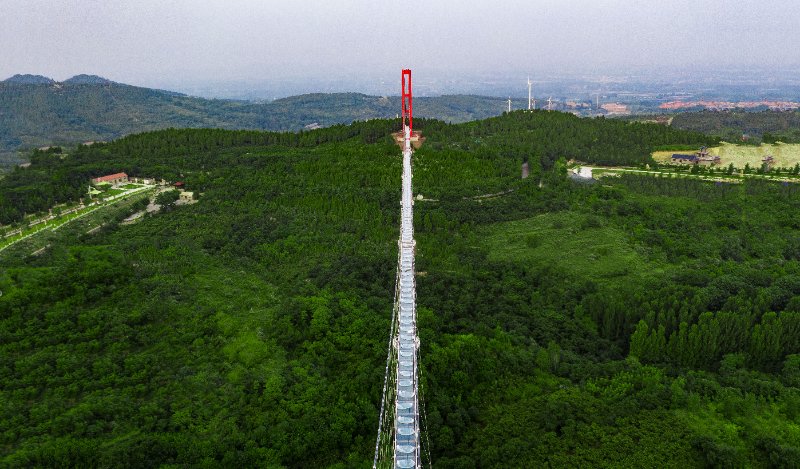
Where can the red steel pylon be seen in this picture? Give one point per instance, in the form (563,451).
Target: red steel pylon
(406,97)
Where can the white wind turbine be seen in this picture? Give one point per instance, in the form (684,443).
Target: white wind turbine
(529,93)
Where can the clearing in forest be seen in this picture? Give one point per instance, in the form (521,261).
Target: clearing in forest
(575,243)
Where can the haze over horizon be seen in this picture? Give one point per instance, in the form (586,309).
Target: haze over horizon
(337,46)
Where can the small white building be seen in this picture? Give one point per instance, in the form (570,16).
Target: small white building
(583,171)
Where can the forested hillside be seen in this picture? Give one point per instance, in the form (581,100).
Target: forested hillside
(641,322)
(543,137)
(539,137)
(732,126)
(36,111)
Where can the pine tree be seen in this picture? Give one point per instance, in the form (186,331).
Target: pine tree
(639,341)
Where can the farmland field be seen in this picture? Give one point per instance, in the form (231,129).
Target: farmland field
(786,155)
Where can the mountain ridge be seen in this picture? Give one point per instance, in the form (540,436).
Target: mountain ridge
(28,79)
(92,108)
(80,79)
(84,79)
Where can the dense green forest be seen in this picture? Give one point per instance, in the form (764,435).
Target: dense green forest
(36,111)
(641,322)
(540,137)
(731,126)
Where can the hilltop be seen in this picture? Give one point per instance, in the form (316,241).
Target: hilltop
(37,111)
(88,80)
(82,79)
(29,80)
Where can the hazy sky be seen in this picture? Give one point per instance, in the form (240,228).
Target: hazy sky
(153,41)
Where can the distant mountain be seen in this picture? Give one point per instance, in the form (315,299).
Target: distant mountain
(295,112)
(92,108)
(88,80)
(30,80)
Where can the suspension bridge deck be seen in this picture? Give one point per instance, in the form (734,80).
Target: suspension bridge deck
(398,443)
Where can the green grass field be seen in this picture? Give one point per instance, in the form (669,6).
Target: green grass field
(571,242)
(50,225)
(786,155)
(55,224)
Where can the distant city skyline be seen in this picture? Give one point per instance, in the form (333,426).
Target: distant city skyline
(185,42)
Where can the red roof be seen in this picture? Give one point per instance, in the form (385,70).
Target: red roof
(110,177)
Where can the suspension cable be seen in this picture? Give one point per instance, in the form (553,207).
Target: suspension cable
(424,422)
(389,354)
